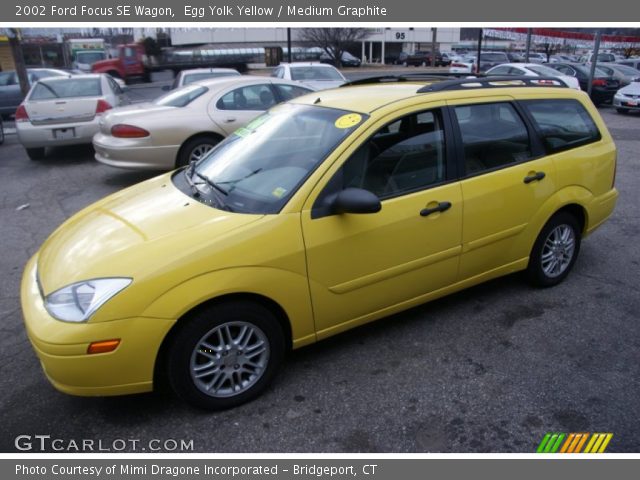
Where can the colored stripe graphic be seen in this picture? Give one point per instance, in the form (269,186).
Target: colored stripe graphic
(574,442)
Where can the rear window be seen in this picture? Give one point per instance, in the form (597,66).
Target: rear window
(314,73)
(562,124)
(181,97)
(493,57)
(195,77)
(69,88)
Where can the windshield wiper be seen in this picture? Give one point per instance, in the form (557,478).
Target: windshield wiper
(236,180)
(212,184)
(188,175)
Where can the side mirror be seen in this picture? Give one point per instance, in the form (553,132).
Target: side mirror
(356,200)
(166,88)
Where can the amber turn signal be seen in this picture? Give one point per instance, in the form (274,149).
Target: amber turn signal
(103,346)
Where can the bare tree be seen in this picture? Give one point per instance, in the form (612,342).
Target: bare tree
(332,40)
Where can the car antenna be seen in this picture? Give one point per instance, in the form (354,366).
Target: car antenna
(317,101)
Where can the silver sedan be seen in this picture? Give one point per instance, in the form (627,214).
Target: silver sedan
(185,124)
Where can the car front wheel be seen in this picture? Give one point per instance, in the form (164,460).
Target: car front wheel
(225,355)
(555,251)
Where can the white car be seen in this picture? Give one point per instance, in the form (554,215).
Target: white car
(185,77)
(535,57)
(532,70)
(627,98)
(65,111)
(185,124)
(465,64)
(318,76)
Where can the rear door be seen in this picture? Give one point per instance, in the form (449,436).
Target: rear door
(507,178)
(239,106)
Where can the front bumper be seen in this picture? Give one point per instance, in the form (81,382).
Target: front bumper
(56,135)
(62,347)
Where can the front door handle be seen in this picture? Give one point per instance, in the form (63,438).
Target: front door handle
(441,207)
(534,177)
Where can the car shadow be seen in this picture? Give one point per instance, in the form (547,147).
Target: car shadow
(126,178)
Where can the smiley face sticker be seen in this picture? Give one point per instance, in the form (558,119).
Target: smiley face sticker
(348,120)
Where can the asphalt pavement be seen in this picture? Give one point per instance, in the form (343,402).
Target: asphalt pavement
(490,369)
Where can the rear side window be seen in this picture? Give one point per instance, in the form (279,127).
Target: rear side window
(562,124)
(69,88)
(493,136)
(181,97)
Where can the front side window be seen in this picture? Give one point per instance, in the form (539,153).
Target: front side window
(562,123)
(404,156)
(493,136)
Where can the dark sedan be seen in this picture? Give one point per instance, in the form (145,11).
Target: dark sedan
(603,87)
(10,93)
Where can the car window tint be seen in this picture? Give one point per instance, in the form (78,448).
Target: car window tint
(252,97)
(562,123)
(315,73)
(493,136)
(404,156)
(69,88)
(288,92)
(500,71)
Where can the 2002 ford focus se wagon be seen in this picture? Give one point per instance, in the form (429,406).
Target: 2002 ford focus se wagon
(332,210)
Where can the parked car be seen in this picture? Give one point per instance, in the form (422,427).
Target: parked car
(625,75)
(10,92)
(631,62)
(603,87)
(535,57)
(65,111)
(602,58)
(515,57)
(465,65)
(424,58)
(208,275)
(628,98)
(185,124)
(533,70)
(185,77)
(317,76)
(1,131)
(448,58)
(348,60)
(491,59)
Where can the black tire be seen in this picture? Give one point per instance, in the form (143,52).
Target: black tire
(1,131)
(536,273)
(185,349)
(192,144)
(622,110)
(35,153)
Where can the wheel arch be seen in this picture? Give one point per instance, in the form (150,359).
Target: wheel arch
(217,135)
(159,371)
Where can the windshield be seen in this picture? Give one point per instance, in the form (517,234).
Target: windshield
(68,88)
(260,166)
(493,57)
(194,77)
(90,57)
(315,73)
(181,97)
(542,70)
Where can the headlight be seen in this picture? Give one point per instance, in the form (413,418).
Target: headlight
(78,301)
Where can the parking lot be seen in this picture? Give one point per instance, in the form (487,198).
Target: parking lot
(490,369)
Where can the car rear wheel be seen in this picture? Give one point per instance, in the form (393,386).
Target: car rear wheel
(225,355)
(1,131)
(196,148)
(555,251)
(35,153)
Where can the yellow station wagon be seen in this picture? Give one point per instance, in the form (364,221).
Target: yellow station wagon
(327,212)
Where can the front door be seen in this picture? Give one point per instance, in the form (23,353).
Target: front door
(360,266)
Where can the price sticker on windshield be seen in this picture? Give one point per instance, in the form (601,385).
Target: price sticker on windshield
(348,120)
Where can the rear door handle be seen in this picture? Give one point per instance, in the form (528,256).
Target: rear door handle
(442,207)
(229,120)
(534,177)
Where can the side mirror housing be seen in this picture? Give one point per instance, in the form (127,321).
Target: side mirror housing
(356,200)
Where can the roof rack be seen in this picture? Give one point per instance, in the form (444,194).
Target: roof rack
(406,77)
(494,82)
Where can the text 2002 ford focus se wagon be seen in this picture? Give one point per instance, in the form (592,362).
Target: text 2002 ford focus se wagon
(330,211)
